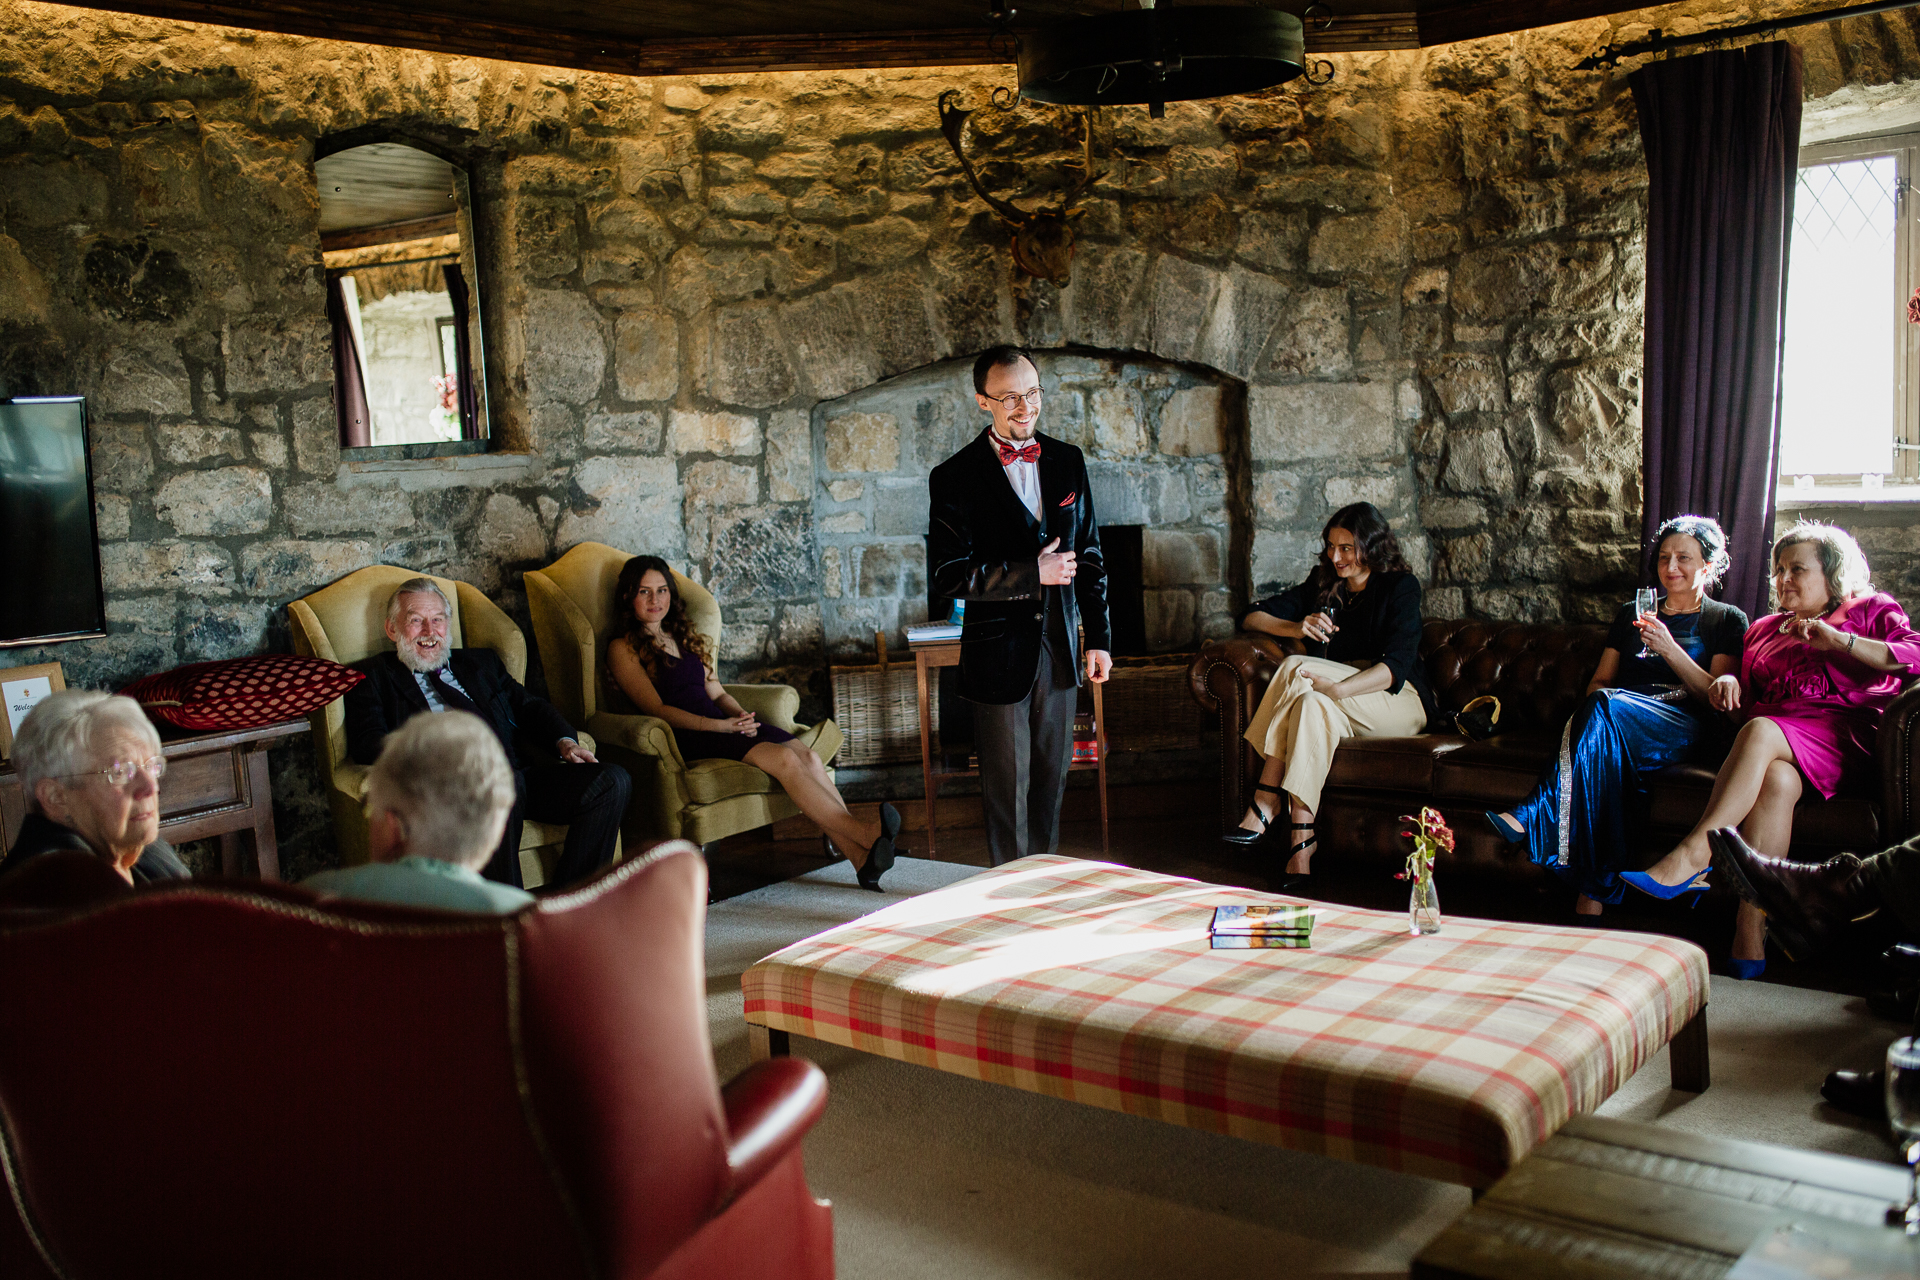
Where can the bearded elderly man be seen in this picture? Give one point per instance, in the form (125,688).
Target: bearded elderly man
(555,778)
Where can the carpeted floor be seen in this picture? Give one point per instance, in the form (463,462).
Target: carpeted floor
(933,1175)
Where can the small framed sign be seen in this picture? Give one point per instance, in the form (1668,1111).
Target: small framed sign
(21,688)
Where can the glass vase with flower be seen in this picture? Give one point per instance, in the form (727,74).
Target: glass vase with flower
(1430,835)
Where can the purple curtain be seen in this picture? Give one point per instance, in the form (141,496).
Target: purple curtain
(463,352)
(349,391)
(1722,139)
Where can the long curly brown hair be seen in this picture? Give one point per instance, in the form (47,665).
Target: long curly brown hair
(1372,538)
(676,624)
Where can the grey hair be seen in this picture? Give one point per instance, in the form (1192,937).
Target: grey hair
(447,777)
(56,739)
(414,587)
(1841,560)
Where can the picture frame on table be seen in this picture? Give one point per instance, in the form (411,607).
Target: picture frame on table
(21,688)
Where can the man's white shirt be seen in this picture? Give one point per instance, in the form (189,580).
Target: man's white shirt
(430,688)
(1025,479)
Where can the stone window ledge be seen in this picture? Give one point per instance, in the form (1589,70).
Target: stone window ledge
(1787,498)
(482,470)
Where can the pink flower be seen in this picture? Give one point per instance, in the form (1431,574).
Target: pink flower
(1430,835)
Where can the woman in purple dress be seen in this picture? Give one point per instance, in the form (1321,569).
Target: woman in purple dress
(1814,680)
(662,666)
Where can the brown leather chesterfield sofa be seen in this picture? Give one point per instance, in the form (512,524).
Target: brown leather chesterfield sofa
(1539,673)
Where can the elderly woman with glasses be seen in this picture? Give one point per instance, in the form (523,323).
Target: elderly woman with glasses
(89,765)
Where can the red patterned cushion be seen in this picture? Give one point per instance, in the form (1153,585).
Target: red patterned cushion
(242,693)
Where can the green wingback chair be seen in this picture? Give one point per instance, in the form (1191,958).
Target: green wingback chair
(346,622)
(700,800)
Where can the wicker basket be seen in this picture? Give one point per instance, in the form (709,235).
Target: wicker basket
(878,708)
(1149,706)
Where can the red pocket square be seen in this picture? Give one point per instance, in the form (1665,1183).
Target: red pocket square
(1069,499)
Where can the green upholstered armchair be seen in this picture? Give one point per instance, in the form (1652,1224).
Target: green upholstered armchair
(699,800)
(346,622)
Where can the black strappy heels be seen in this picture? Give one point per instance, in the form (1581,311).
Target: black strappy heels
(1245,838)
(880,857)
(1296,881)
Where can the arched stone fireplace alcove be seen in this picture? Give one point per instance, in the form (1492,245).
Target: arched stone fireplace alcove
(1166,449)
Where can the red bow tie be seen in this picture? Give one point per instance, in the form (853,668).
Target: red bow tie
(1012,453)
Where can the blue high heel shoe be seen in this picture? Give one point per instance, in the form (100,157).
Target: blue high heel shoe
(1666,892)
(1745,970)
(1507,833)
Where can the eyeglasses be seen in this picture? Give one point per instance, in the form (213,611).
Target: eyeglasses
(1008,401)
(121,772)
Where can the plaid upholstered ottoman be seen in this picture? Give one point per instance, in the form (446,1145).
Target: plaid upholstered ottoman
(1446,1056)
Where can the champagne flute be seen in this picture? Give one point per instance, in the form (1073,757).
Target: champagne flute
(1643,604)
(1903,1113)
(1331,611)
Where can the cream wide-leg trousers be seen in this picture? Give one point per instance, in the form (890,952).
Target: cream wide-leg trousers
(1301,726)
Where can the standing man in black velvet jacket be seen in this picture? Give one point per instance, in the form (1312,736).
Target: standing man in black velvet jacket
(1012,533)
(555,778)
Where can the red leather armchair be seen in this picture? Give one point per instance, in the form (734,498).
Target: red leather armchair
(1539,672)
(216,1080)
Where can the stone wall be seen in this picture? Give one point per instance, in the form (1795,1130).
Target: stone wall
(1423,281)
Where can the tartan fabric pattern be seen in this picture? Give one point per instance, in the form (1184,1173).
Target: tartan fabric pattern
(242,693)
(1448,1056)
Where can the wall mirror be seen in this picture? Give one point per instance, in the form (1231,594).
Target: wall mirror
(403,298)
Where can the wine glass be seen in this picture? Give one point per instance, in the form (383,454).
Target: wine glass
(1643,604)
(1903,1113)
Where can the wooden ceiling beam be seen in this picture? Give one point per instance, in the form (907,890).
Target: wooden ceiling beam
(392,233)
(472,37)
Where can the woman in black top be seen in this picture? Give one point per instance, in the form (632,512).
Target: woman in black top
(1360,612)
(1646,708)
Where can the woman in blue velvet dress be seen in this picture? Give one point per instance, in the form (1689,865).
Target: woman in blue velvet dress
(1646,708)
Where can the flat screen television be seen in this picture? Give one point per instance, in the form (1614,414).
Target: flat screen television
(51,589)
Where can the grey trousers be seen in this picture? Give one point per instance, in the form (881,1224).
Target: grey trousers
(1025,749)
(1892,877)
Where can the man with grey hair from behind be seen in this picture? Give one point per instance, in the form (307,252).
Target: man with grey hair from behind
(437,802)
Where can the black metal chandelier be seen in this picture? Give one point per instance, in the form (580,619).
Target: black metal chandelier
(1161,54)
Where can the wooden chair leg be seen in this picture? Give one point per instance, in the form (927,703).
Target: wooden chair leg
(765,1042)
(1688,1055)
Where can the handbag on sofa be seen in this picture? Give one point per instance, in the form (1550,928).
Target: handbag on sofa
(1477,719)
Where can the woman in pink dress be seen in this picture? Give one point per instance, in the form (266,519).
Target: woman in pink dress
(1814,680)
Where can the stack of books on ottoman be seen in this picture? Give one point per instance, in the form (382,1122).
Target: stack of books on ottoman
(1280,924)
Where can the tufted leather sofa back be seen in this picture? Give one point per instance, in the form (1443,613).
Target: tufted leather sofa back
(1539,672)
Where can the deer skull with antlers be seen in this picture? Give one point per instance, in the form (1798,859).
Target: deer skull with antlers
(1042,239)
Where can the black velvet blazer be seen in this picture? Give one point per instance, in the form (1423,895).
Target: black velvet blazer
(390,696)
(984,548)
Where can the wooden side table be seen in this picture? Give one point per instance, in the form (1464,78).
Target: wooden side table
(216,785)
(946,653)
(1607,1197)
